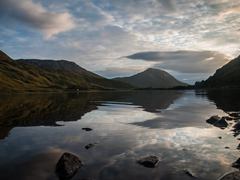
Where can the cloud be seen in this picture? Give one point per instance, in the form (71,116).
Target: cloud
(93,15)
(184,61)
(36,16)
(119,71)
(108,29)
(231,10)
(168,4)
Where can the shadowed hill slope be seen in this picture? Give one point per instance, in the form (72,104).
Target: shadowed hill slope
(152,78)
(225,77)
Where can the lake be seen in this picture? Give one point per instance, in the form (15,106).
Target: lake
(36,129)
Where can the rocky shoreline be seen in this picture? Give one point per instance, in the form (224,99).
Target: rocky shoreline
(233,123)
(69,164)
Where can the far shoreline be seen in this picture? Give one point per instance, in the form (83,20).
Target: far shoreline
(115,90)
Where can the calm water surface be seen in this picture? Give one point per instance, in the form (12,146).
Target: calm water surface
(36,129)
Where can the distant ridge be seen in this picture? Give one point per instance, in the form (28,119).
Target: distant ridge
(227,76)
(152,78)
(50,75)
(59,65)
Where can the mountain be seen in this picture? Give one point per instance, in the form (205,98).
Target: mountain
(152,78)
(225,77)
(49,75)
(4,56)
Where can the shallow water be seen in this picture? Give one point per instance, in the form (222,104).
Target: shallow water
(36,129)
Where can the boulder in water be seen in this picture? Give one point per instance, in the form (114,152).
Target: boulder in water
(87,129)
(149,161)
(89,146)
(213,119)
(67,166)
(222,123)
(218,121)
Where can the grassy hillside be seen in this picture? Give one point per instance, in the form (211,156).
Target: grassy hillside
(152,78)
(40,75)
(225,77)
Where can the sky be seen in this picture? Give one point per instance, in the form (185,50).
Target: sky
(188,38)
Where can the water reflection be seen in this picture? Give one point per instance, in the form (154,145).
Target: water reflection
(36,110)
(47,109)
(126,126)
(227,100)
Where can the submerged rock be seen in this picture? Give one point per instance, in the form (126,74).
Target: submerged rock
(67,166)
(90,145)
(231,176)
(189,173)
(87,129)
(218,121)
(236,164)
(149,161)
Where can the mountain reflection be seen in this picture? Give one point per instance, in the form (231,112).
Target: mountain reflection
(227,100)
(47,109)
(38,110)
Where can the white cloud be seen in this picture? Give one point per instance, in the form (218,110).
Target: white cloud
(36,16)
(108,29)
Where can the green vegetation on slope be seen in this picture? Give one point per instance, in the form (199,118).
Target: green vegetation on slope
(226,77)
(40,75)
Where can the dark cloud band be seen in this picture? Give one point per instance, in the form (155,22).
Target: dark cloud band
(184,61)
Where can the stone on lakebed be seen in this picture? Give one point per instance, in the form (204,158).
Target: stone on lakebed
(149,161)
(87,129)
(89,146)
(67,166)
